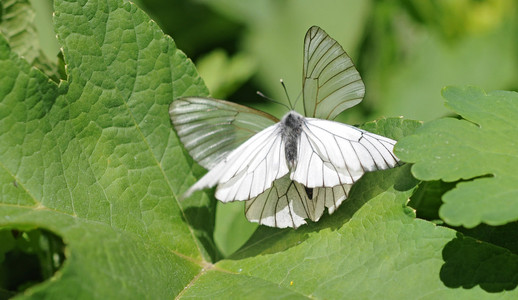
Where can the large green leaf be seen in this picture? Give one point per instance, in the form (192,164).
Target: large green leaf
(95,161)
(482,144)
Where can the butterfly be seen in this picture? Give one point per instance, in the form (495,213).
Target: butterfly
(286,170)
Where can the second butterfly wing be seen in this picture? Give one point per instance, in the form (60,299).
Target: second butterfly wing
(331,83)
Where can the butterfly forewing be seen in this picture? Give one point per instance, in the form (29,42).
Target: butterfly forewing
(332,153)
(249,169)
(331,83)
(210,128)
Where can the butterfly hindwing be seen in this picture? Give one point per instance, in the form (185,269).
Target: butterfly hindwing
(331,83)
(285,204)
(332,197)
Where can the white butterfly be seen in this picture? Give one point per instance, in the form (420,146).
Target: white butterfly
(287,170)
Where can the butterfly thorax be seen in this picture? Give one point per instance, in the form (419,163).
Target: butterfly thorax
(291,128)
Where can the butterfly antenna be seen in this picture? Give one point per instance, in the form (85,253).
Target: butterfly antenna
(274,101)
(286,92)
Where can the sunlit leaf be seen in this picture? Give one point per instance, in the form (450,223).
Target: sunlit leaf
(480,148)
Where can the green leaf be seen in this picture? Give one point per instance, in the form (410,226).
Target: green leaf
(95,161)
(394,128)
(482,144)
(364,250)
(232,228)
(503,236)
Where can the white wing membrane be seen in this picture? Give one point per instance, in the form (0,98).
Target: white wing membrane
(332,197)
(331,83)
(248,170)
(332,154)
(210,128)
(285,204)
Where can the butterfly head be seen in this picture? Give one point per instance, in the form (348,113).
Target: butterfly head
(292,120)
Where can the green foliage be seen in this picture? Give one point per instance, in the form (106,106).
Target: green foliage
(232,228)
(28,257)
(480,147)
(19,29)
(95,163)
(406,51)
(223,75)
(469,162)
(433,44)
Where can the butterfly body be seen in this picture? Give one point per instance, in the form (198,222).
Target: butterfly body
(291,169)
(291,128)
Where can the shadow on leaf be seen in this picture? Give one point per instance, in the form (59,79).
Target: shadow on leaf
(469,262)
(501,236)
(371,185)
(201,220)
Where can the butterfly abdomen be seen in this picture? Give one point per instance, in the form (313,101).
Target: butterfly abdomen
(291,128)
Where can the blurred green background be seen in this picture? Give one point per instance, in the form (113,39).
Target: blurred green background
(406,52)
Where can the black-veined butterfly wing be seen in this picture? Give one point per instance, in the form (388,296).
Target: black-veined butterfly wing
(210,128)
(331,83)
